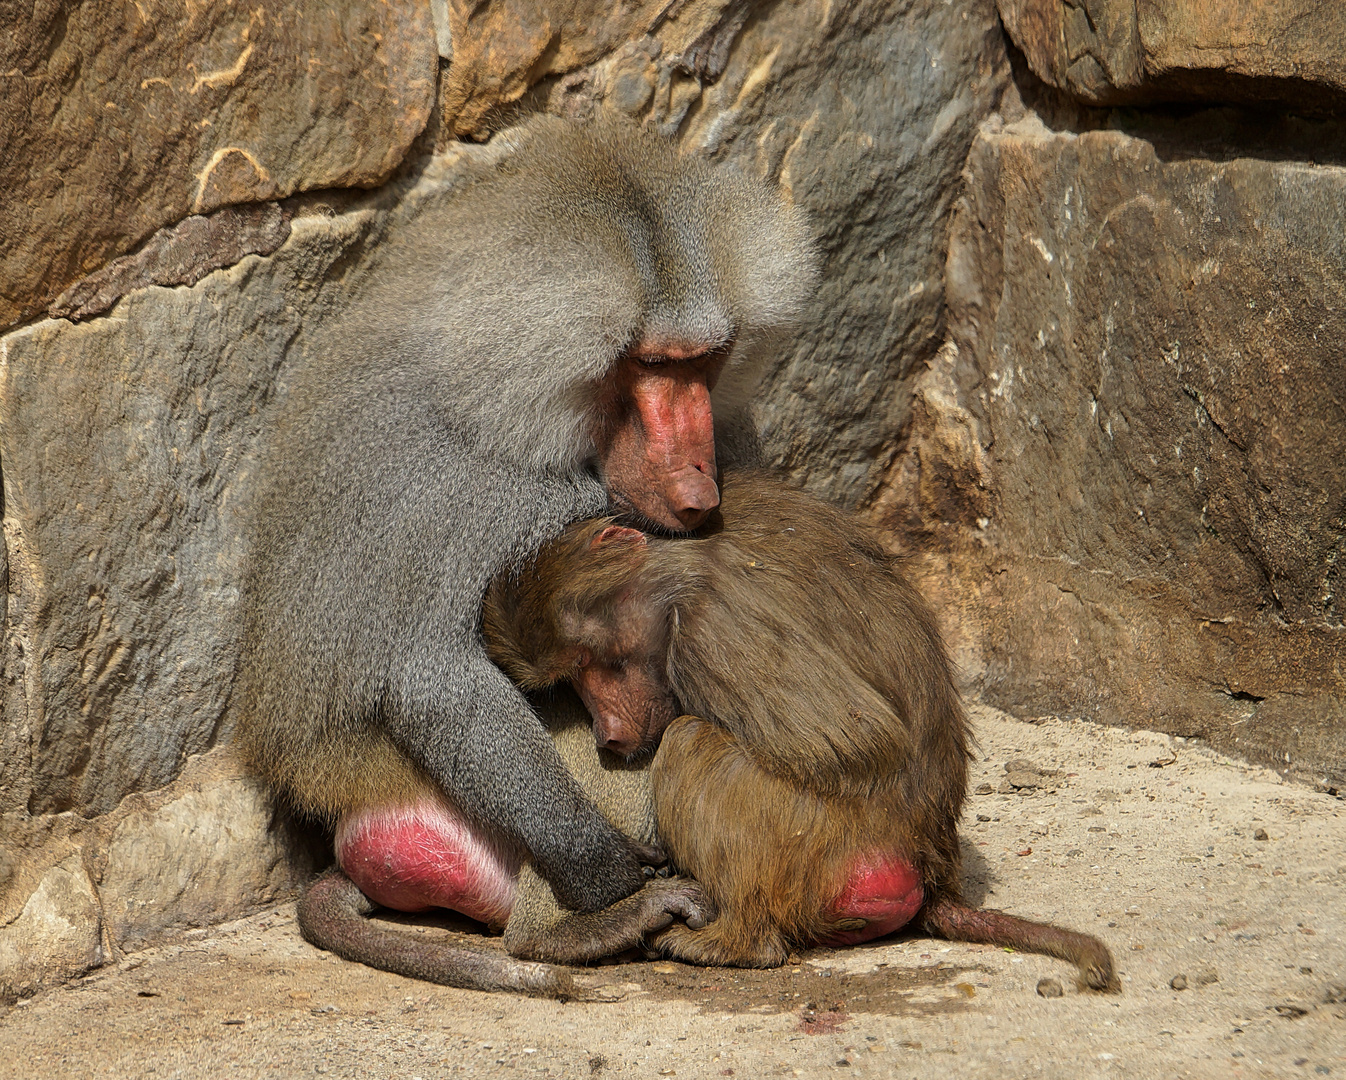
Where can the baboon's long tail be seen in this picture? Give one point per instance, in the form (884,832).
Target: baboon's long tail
(333,915)
(956,921)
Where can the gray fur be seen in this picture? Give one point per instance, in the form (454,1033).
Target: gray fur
(447,433)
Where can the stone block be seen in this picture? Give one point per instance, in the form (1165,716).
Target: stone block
(118,119)
(210,850)
(1113,52)
(126,443)
(1150,523)
(57,935)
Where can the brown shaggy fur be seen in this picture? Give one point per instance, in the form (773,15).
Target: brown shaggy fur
(826,723)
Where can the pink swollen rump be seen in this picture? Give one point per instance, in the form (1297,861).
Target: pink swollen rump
(885,890)
(422,856)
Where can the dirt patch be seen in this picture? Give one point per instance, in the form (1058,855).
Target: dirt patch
(808,987)
(815,993)
(1164,863)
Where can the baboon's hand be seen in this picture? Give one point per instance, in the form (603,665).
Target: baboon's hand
(579,938)
(651,856)
(666,899)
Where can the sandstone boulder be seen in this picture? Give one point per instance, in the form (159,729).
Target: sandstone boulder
(211,847)
(57,934)
(76,892)
(865,114)
(125,444)
(1252,52)
(1127,452)
(118,119)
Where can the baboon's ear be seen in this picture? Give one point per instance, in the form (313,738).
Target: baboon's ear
(617,534)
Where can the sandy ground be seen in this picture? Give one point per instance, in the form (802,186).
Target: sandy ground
(1150,842)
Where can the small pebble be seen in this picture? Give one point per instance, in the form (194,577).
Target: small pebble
(1261,834)
(983,789)
(1178,982)
(1050,988)
(983,817)
(1207,977)
(1335,994)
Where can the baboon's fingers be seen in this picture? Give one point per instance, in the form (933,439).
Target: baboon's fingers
(649,854)
(685,899)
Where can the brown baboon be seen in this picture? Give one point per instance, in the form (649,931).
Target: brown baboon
(815,793)
(544,344)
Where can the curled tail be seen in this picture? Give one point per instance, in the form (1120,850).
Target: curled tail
(333,915)
(954,920)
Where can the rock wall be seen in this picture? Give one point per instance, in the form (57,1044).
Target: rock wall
(120,118)
(1076,346)
(1112,52)
(189,210)
(1124,472)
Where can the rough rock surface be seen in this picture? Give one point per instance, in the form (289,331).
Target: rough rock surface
(57,934)
(501,49)
(125,445)
(120,118)
(866,115)
(210,847)
(75,893)
(1138,51)
(1126,443)
(179,255)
